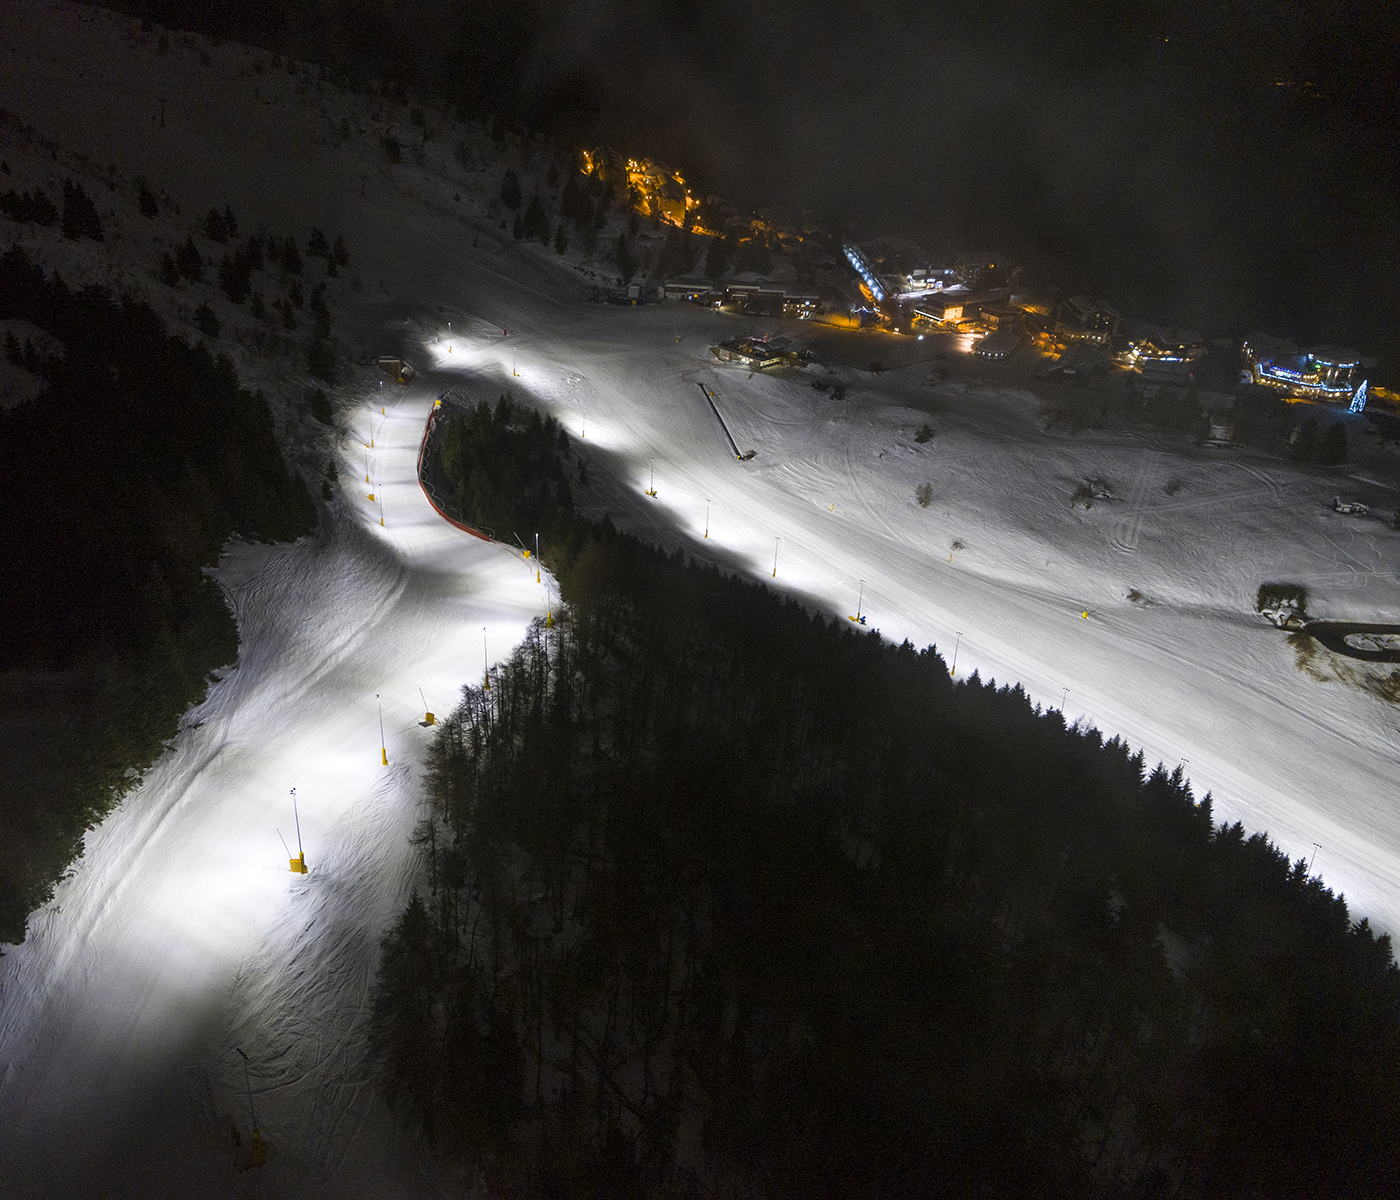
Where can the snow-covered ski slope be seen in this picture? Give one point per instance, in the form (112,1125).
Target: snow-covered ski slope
(181,935)
(1184,670)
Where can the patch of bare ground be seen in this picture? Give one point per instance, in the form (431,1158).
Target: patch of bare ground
(1319,663)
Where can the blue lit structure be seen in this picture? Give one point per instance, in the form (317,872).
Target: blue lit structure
(1358,401)
(1324,373)
(864,270)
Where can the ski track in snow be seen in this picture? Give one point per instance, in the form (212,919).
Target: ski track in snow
(180,934)
(1125,538)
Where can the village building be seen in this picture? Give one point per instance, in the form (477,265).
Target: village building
(1079,319)
(689,288)
(956,304)
(1322,373)
(998,345)
(759,353)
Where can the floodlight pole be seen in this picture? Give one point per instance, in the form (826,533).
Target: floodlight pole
(776,542)
(707,516)
(485,662)
(297,818)
(537,558)
(383,745)
(1316,847)
(861,599)
(956,644)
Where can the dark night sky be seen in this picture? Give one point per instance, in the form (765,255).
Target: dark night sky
(1140,150)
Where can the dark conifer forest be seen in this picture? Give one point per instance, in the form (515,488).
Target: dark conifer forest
(127,474)
(721,897)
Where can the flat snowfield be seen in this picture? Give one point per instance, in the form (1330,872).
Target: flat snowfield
(181,937)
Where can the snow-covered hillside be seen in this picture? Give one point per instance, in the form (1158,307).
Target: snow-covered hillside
(181,935)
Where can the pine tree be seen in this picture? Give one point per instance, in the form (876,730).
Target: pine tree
(718,258)
(1304,447)
(316,244)
(321,314)
(80,219)
(169,272)
(291,256)
(321,359)
(1332,446)
(402,1029)
(149,205)
(510,189)
(561,242)
(206,321)
(536,224)
(573,204)
(339,252)
(230,221)
(29,206)
(214,227)
(188,261)
(626,264)
(234,276)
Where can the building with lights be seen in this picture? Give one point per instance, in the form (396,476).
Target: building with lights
(655,188)
(1079,319)
(696,291)
(870,282)
(1322,373)
(1145,342)
(1001,316)
(974,268)
(948,308)
(757,353)
(998,345)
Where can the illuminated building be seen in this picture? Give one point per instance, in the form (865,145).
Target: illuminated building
(978,267)
(998,345)
(757,353)
(1001,316)
(955,305)
(943,308)
(921,282)
(656,189)
(1323,373)
(862,267)
(1081,320)
(1147,342)
(697,291)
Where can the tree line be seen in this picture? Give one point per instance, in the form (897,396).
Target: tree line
(722,897)
(126,476)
